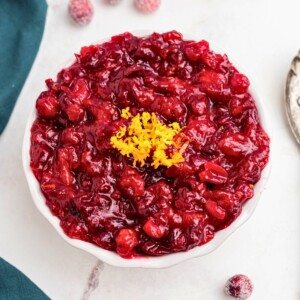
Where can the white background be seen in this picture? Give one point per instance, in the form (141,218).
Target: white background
(262,36)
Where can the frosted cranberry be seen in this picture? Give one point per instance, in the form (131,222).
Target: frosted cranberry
(239,83)
(147,6)
(237,145)
(239,287)
(47,107)
(215,210)
(126,240)
(156,227)
(113,2)
(81,11)
(213,174)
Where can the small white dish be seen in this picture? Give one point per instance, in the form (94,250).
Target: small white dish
(113,258)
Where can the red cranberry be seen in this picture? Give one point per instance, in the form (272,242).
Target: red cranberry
(156,227)
(213,83)
(126,240)
(224,199)
(199,104)
(239,287)
(215,210)
(238,105)
(179,239)
(194,51)
(213,174)
(132,185)
(47,107)
(237,145)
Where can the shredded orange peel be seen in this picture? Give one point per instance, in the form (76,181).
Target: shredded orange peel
(146,136)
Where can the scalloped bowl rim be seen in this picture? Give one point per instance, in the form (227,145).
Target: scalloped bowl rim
(164,261)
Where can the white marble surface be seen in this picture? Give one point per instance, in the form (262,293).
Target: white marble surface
(263,36)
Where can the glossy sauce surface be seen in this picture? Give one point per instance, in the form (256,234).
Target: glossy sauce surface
(96,192)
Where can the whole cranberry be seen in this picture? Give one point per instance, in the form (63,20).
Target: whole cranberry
(47,107)
(132,185)
(81,11)
(239,287)
(126,240)
(156,227)
(147,6)
(239,83)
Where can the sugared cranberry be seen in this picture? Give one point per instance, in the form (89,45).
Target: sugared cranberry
(113,2)
(147,6)
(81,11)
(239,287)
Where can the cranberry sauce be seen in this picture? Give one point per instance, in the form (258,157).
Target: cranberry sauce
(97,193)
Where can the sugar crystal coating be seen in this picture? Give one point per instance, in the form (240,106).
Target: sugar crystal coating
(239,286)
(81,11)
(147,6)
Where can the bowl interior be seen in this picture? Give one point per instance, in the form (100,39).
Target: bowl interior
(145,262)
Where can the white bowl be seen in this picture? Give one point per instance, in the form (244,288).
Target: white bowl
(145,262)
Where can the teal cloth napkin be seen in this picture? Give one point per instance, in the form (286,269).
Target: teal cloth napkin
(14,285)
(21,29)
